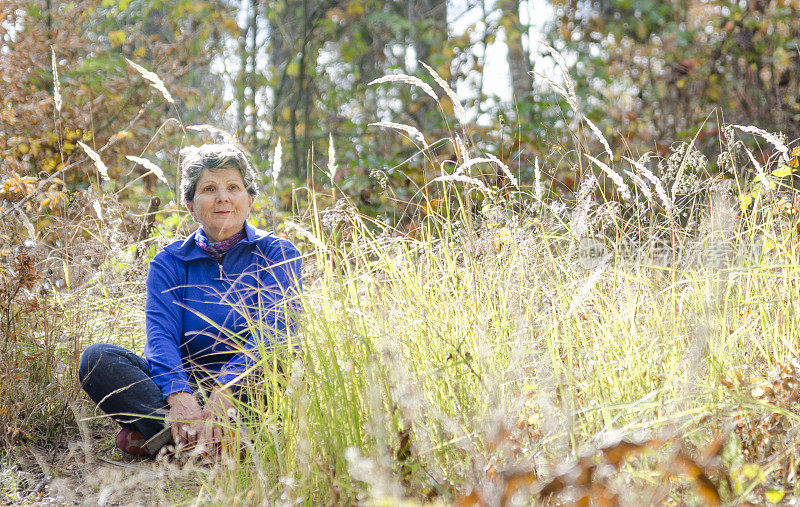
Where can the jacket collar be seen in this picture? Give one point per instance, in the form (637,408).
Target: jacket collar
(189,251)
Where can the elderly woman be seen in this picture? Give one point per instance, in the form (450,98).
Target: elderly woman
(214,301)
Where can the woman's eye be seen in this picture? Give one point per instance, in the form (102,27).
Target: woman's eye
(233,187)
(208,189)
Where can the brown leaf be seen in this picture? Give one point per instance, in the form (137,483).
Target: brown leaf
(701,483)
(468,500)
(602,496)
(706,489)
(517,481)
(554,487)
(587,469)
(617,453)
(711,451)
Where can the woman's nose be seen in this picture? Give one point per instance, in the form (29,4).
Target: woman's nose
(222,195)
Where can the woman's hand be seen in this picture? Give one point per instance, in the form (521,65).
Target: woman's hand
(217,409)
(187,419)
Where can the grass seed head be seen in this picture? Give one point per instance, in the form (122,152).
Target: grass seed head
(98,162)
(277,162)
(413,132)
(615,177)
(150,166)
(776,140)
(56,81)
(405,78)
(599,136)
(153,79)
(458,108)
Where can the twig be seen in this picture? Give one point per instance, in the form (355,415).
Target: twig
(147,225)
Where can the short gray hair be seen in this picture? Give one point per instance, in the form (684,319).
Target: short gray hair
(196,159)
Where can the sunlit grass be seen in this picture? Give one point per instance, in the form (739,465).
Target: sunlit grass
(486,354)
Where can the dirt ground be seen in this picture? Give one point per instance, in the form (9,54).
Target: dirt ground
(64,476)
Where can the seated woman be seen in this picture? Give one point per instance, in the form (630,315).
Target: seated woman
(214,301)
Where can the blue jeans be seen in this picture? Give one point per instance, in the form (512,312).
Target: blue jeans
(118,381)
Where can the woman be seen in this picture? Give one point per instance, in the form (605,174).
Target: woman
(214,301)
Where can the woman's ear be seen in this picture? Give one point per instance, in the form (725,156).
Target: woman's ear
(190,207)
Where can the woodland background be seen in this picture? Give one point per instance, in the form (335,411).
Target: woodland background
(648,73)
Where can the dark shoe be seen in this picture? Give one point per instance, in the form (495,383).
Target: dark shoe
(159,440)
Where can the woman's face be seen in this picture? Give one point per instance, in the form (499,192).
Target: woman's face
(221,203)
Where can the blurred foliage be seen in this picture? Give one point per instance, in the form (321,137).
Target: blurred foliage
(657,69)
(104,102)
(299,71)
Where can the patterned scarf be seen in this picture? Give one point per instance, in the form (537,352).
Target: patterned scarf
(217,250)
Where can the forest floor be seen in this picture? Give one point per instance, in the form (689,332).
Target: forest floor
(64,476)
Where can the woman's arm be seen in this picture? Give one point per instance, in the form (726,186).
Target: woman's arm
(163,315)
(277,310)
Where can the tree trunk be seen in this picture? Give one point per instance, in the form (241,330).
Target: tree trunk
(241,83)
(280,37)
(252,72)
(429,28)
(428,36)
(518,56)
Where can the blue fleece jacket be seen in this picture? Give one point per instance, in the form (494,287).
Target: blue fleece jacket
(205,319)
